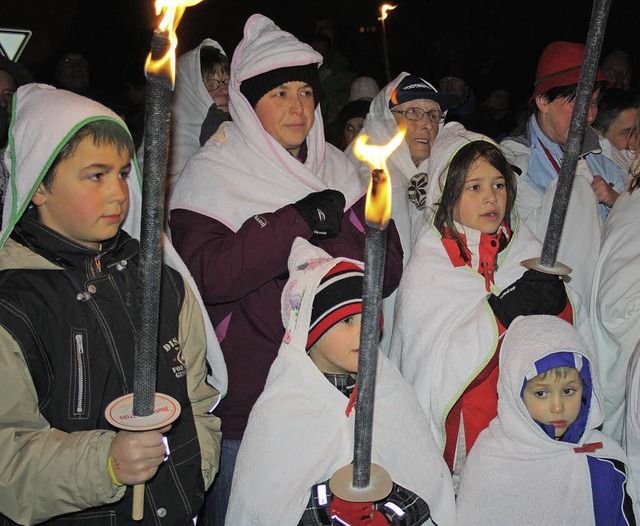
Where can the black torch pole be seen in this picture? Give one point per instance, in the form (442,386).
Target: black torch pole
(374,263)
(575,139)
(156,152)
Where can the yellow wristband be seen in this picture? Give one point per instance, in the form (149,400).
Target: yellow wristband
(112,474)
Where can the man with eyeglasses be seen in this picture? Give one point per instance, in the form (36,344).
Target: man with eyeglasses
(410,102)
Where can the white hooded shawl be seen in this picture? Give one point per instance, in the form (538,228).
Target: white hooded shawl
(32,150)
(516,473)
(242,170)
(615,305)
(189,107)
(191,102)
(444,331)
(298,434)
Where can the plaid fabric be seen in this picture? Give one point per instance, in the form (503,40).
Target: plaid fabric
(403,507)
(342,382)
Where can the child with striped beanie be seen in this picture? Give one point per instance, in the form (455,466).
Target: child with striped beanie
(301,429)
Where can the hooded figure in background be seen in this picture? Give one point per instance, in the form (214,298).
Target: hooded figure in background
(192,104)
(520,471)
(301,430)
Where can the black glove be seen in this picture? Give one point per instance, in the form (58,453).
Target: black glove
(534,293)
(215,117)
(323,212)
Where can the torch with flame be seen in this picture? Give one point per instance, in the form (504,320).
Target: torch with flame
(384,9)
(363,481)
(140,410)
(378,203)
(161,61)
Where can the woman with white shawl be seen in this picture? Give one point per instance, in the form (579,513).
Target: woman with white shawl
(301,430)
(450,308)
(236,209)
(518,471)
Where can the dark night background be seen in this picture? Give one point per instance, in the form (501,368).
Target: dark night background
(491,37)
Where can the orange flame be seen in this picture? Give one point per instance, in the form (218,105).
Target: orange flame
(384,9)
(172,11)
(378,204)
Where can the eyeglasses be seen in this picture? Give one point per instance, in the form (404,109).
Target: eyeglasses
(417,114)
(215,85)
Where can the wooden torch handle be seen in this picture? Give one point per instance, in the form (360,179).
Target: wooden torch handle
(137,512)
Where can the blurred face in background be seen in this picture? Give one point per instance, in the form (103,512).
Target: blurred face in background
(554,117)
(72,72)
(351,129)
(622,133)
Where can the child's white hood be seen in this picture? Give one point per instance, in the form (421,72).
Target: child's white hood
(529,339)
(33,148)
(452,137)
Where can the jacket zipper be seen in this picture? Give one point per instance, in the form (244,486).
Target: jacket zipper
(80,373)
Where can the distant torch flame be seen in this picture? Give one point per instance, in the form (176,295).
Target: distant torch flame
(378,204)
(384,9)
(171,11)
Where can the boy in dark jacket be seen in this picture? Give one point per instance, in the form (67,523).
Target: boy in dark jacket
(68,312)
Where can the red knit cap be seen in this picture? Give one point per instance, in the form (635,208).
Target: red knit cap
(560,65)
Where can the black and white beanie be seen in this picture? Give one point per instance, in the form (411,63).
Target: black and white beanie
(338,296)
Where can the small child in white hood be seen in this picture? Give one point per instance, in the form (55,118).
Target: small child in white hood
(544,441)
(301,428)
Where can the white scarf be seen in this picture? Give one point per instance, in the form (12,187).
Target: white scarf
(32,149)
(243,171)
(298,434)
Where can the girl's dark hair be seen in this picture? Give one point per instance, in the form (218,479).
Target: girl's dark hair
(456,177)
(102,132)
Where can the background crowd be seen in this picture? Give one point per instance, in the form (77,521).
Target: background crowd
(500,367)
